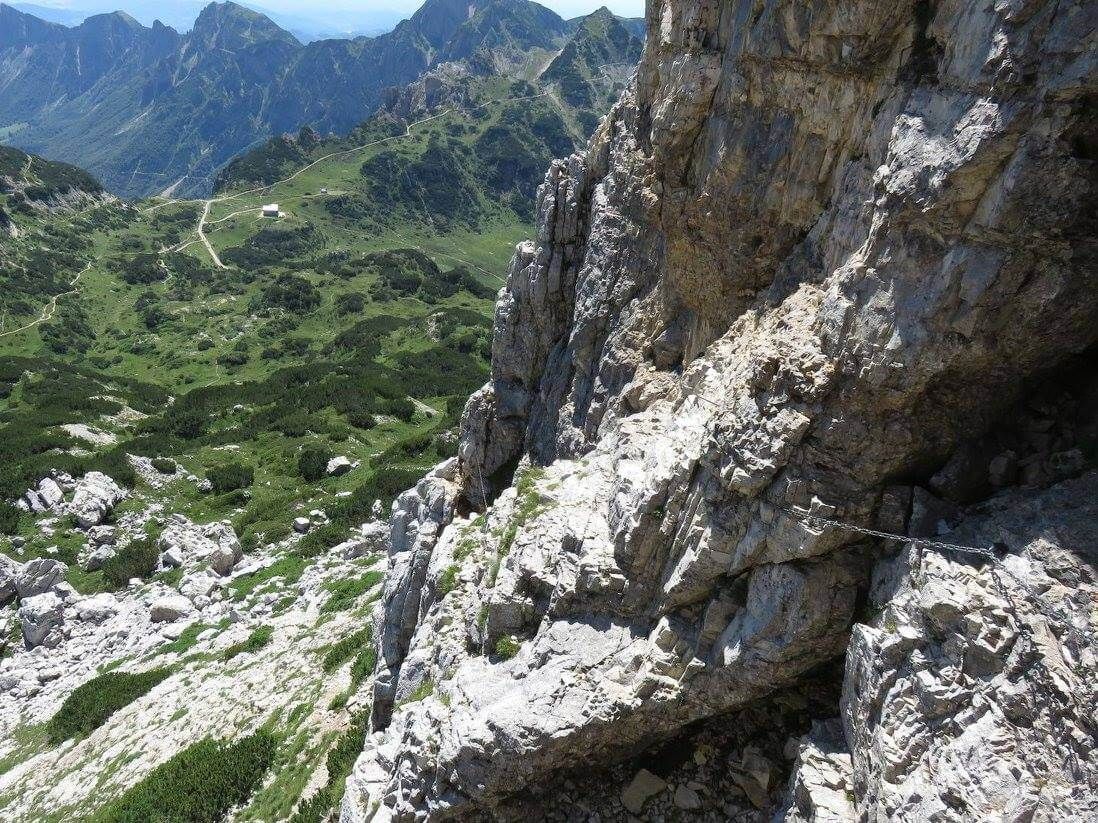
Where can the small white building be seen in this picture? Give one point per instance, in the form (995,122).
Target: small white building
(271,210)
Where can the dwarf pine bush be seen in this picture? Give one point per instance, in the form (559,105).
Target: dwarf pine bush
(91,704)
(200,784)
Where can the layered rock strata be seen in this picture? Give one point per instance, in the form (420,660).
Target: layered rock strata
(812,255)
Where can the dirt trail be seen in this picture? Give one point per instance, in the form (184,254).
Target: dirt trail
(207,204)
(51,307)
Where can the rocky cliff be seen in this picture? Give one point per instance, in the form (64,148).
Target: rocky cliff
(826,267)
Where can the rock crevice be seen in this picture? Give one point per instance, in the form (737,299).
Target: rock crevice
(811,257)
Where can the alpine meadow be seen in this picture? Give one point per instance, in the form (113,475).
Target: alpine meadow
(503,416)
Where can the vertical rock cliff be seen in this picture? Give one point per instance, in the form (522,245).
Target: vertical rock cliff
(826,266)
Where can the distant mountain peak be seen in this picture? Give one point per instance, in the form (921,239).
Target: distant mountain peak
(229,25)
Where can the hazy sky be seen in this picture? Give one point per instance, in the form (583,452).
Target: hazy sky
(567,8)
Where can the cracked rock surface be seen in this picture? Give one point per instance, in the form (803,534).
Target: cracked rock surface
(815,254)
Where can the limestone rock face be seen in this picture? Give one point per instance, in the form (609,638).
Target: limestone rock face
(815,252)
(971,696)
(39,576)
(9,574)
(42,617)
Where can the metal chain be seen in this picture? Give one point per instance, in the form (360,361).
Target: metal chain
(809,519)
(922,541)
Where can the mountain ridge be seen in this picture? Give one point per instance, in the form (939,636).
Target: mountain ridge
(147,108)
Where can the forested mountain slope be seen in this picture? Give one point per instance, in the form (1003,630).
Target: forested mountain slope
(147,109)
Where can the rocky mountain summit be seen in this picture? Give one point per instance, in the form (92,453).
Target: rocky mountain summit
(797,378)
(149,109)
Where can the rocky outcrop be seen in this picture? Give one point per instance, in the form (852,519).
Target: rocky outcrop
(805,267)
(970,695)
(42,618)
(189,545)
(95,497)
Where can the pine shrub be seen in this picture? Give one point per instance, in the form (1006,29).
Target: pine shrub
(201,784)
(136,559)
(91,704)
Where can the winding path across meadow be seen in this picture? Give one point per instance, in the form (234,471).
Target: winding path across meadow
(51,307)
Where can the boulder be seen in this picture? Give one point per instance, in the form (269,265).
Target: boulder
(96,558)
(9,573)
(686,798)
(183,543)
(42,616)
(102,535)
(95,497)
(50,493)
(643,786)
(198,585)
(31,502)
(170,608)
(39,576)
(302,524)
(373,538)
(97,608)
(340,465)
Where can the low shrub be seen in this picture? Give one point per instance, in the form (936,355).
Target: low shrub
(346,592)
(312,463)
(346,648)
(201,783)
(289,567)
(92,703)
(447,581)
(399,407)
(320,539)
(361,420)
(363,667)
(9,518)
(507,647)
(340,761)
(164,465)
(260,637)
(230,477)
(136,559)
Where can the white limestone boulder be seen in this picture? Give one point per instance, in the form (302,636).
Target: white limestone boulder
(97,608)
(42,616)
(39,576)
(95,497)
(186,544)
(170,608)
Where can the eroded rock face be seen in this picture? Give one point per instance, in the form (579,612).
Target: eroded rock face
(814,250)
(971,695)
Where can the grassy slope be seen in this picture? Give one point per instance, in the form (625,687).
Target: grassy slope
(215,332)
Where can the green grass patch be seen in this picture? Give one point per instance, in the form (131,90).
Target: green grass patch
(91,704)
(341,759)
(363,667)
(186,641)
(289,567)
(422,692)
(260,637)
(344,593)
(507,647)
(343,650)
(201,783)
(27,741)
(447,581)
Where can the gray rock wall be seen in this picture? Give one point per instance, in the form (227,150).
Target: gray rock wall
(815,249)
